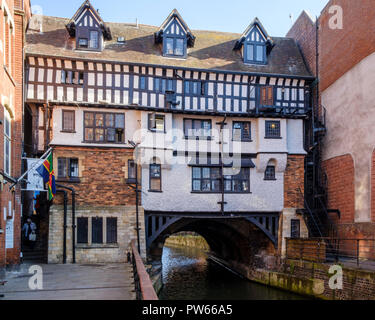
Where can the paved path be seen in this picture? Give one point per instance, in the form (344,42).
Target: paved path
(72,282)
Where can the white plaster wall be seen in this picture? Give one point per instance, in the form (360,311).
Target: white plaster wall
(271,145)
(295,135)
(350,108)
(132,124)
(176,195)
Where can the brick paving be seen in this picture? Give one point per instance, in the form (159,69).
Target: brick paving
(72,282)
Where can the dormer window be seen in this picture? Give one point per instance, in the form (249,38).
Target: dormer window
(254,44)
(255,48)
(175,36)
(88,28)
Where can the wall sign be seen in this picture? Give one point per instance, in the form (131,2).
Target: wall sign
(9,234)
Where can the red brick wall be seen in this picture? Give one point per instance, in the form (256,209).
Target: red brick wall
(341,50)
(13,86)
(103,174)
(373,187)
(340,175)
(294,178)
(304,32)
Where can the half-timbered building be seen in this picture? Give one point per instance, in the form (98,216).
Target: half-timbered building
(217,120)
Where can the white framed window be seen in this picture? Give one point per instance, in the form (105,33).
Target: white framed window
(7,143)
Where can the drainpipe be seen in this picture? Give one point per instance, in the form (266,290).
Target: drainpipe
(222,202)
(73,218)
(65,222)
(136,207)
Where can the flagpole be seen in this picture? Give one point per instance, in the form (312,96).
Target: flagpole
(44,156)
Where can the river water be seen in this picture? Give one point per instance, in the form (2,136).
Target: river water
(189,275)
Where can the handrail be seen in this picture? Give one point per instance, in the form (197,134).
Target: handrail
(354,252)
(143,285)
(310,212)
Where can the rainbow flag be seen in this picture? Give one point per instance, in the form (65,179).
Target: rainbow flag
(46,171)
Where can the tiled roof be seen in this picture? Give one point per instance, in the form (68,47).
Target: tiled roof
(212,50)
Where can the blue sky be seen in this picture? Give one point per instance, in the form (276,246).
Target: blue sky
(219,15)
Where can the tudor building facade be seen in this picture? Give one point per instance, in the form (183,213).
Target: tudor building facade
(210,123)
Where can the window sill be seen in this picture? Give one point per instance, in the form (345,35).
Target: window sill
(219,192)
(1,231)
(75,180)
(155,191)
(270,179)
(242,140)
(273,138)
(104,143)
(68,131)
(156,131)
(198,138)
(97,246)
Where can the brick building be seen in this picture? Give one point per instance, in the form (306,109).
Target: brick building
(191,103)
(346,61)
(14,16)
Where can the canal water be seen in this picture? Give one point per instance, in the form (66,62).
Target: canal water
(189,275)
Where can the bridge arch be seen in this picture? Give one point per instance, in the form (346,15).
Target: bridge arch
(234,239)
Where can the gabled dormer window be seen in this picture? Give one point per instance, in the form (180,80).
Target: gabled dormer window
(88,29)
(254,44)
(255,48)
(175,36)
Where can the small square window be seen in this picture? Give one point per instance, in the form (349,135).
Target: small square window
(68,121)
(142,83)
(155,177)
(131,170)
(273,129)
(111,230)
(156,122)
(83,42)
(241,131)
(295,232)
(97,230)
(270,173)
(82,230)
(68,168)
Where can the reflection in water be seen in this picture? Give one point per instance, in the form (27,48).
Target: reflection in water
(188,275)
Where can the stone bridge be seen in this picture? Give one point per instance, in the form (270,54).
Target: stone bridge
(236,238)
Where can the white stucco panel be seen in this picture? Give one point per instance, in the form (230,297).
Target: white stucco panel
(264,158)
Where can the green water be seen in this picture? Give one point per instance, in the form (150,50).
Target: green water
(189,275)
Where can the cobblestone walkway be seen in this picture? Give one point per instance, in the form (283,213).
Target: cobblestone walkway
(72,282)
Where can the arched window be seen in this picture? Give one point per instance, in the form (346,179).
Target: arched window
(270,173)
(155,176)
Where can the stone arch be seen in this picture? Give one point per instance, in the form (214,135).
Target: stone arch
(237,241)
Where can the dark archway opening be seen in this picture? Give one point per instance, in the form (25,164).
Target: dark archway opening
(234,240)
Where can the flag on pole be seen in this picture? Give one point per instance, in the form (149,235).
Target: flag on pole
(46,171)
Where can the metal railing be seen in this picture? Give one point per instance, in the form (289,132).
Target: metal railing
(358,253)
(142,282)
